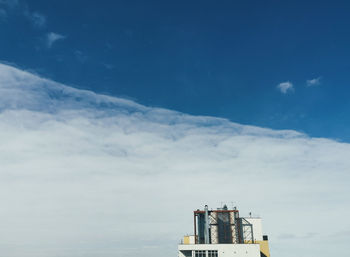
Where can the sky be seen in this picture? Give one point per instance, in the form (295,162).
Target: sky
(224,59)
(119,118)
(84,174)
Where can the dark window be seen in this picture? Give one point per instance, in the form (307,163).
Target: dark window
(199,253)
(212,253)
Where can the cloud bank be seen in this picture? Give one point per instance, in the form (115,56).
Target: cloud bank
(83,174)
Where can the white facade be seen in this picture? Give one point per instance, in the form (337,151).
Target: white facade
(223,250)
(192,240)
(257,228)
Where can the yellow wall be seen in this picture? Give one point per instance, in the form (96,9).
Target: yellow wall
(186,240)
(264,246)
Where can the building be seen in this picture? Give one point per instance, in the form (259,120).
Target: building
(223,233)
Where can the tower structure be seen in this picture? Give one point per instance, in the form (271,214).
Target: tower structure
(223,233)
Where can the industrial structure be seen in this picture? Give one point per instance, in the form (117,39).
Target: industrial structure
(223,233)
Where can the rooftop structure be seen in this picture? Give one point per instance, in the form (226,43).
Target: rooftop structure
(223,233)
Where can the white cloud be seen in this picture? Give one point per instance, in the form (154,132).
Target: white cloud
(52,37)
(92,175)
(313,82)
(285,87)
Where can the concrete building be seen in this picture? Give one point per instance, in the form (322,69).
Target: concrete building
(223,233)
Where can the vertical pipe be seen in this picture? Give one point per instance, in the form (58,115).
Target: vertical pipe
(206,225)
(195,228)
(238,227)
(230,228)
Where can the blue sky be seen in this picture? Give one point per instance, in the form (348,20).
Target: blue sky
(199,57)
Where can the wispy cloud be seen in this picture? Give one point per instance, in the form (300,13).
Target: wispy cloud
(52,37)
(92,175)
(80,56)
(9,3)
(38,19)
(3,14)
(5,6)
(313,82)
(285,87)
(108,66)
(9,6)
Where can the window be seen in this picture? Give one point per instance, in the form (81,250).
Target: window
(199,253)
(212,253)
